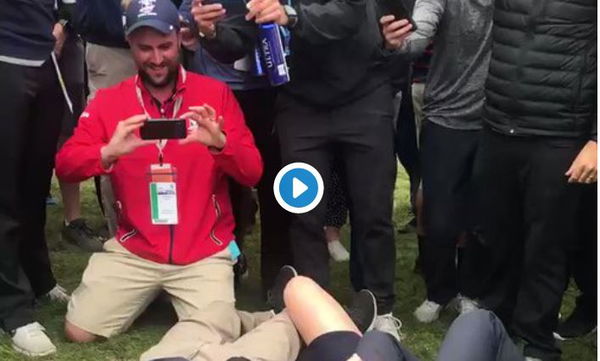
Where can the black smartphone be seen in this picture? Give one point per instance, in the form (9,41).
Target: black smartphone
(163,129)
(398,9)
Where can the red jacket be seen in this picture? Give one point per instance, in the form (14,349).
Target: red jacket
(205,218)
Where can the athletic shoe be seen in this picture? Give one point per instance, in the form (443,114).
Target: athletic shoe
(389,324)
(337,251)
(363,310)
(79,233)
(578,324)
(428,311)
(31,340)
(533,359)
(466,305)
(275,294)
(58,294)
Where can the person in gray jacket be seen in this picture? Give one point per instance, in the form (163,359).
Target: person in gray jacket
(453,101)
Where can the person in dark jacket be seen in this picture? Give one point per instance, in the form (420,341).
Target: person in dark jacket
(28,137)
(339,101)
(538,147)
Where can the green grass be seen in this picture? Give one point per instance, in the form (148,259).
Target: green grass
(69,263)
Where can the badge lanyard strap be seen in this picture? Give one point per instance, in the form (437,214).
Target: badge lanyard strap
(160,145)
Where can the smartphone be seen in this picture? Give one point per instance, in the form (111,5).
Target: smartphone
(164,129)
(398,9)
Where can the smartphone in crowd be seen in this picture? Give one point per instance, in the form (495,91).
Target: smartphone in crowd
(397,8)
(163,129)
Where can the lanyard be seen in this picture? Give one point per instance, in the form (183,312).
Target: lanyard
(160,145)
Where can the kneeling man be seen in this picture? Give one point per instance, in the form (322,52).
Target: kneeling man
(175,229)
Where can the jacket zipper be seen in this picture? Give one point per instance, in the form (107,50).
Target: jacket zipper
(213,235)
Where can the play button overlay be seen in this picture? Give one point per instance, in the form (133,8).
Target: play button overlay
(298,188)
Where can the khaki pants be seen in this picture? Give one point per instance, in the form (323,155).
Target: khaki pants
(107,67)
(219,333)
(117,286)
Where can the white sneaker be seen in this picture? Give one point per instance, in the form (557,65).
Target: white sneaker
(429,311)
(389,324)
(466,305)
(532,359)
(58,294)
(337,251)
(31,340)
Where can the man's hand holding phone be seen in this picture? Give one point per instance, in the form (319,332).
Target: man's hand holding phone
(205,128)
(206,17)
(124,140)
(395,31)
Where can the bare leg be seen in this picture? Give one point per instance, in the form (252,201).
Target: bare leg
(313,311)
(71,201)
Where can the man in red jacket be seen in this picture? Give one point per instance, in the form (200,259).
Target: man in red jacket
(175,225)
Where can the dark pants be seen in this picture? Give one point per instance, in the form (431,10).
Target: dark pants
(406,142)
(361,133)
(28,136)
(258,107)
(528,217)
(448,157)
(337,207)
(583,258)
(72,67)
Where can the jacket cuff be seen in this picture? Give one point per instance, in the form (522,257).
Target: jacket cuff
(100,166)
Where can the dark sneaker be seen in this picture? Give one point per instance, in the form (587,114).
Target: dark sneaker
(240,269)
(275,294)
(363,310)
(578,324)
(81,235)
(103,232)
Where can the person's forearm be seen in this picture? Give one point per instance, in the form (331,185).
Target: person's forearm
(427,15)
(228,45)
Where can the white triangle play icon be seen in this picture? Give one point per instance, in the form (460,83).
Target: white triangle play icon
(298,188)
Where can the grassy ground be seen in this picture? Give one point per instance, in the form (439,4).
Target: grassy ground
(69,263)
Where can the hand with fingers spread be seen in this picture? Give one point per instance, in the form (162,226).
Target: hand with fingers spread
(585,166)
(207,16)
(395,31)
(124,140)
(267,11)
(205,127)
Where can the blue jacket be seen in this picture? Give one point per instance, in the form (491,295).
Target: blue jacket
(101,22)
(26,29)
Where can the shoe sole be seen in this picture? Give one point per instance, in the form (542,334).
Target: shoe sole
(372,325)
(32,354)
(561,338)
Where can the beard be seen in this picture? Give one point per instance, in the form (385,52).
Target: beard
(172,72)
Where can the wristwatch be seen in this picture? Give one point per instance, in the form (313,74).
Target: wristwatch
(292,16)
